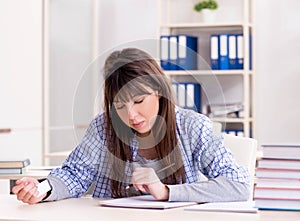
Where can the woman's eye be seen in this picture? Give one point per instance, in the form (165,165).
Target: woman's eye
(119,107)
(138,101)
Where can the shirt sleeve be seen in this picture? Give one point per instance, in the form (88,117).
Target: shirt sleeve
(219,189)
(78,171)
(227,181)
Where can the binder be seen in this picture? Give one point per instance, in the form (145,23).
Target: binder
(240,51)
(164,52)
(173,52)
(187,52)
(223,52)
(250,52)
(232,52)
(214,52)
(188,95)
(193,96)
(181,95)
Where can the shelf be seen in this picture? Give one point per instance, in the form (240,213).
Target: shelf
(206,72)
(206,25)
(231,120)
(69,127)
(236,85)
(61,154)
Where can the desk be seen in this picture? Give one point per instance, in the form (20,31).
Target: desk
(34,173)
(87,208)
(5,179)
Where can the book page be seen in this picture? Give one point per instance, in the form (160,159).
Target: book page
(240,207)
(144,202)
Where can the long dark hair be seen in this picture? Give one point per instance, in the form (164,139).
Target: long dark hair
(136,70)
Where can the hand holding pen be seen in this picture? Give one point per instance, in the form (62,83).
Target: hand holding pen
(146,180)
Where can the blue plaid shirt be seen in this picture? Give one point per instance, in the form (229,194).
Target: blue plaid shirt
(201,150)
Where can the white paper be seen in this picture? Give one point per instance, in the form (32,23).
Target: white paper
(239,207)
(43,187)
(145,202)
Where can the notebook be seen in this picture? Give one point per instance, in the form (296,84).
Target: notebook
(143,202)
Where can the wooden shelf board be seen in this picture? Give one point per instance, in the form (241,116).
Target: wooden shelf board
(206,72)
(205,25)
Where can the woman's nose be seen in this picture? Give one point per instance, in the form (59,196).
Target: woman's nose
(132,113)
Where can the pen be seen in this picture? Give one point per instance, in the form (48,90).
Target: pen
(159,171)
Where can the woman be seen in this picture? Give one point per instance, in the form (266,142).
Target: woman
(143,139)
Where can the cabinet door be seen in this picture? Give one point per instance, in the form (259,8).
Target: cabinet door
(21,144)
(21,78)
(70,53)
(20,63)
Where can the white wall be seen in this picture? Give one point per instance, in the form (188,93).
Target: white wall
(121,22)
(278,71)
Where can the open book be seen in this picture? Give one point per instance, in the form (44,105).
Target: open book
(143,202)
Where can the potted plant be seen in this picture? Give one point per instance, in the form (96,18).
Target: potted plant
(209,4)
(206,9)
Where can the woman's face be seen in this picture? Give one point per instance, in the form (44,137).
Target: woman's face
(140,112)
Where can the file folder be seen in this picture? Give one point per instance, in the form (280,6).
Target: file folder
(250,52)
(193,96)
(173,52)
(164,52)
(232,52)
(214,52)
(240,51)
(181,95)
(223,52)
(188,95)
(187,52)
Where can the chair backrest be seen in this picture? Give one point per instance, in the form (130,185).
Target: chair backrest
(244,151)
(217,127)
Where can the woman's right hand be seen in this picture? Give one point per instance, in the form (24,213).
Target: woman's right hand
(27,191)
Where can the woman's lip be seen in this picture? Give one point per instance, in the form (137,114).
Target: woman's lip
(138,125)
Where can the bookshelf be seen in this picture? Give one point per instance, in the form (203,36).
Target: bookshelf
(177,17)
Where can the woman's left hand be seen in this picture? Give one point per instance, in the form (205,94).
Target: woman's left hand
(146,180)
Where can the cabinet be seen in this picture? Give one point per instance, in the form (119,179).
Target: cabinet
(21,68)
(218,86)
(46,88)
(67,79)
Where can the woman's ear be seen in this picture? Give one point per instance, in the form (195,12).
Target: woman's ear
(158,93)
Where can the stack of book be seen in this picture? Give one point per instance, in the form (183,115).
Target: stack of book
(14,167)
(232,110)
(278,178)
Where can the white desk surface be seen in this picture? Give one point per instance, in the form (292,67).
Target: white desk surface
(87,208)
(31,172)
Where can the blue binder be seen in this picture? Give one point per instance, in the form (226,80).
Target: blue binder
(164,52)
(173,52)
(250,52)
(223,52)
(188,95)
(214,52)
(240,51)
(232,52)
(187,52)
(193,96)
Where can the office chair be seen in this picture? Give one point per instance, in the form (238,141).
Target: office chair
(244,151)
